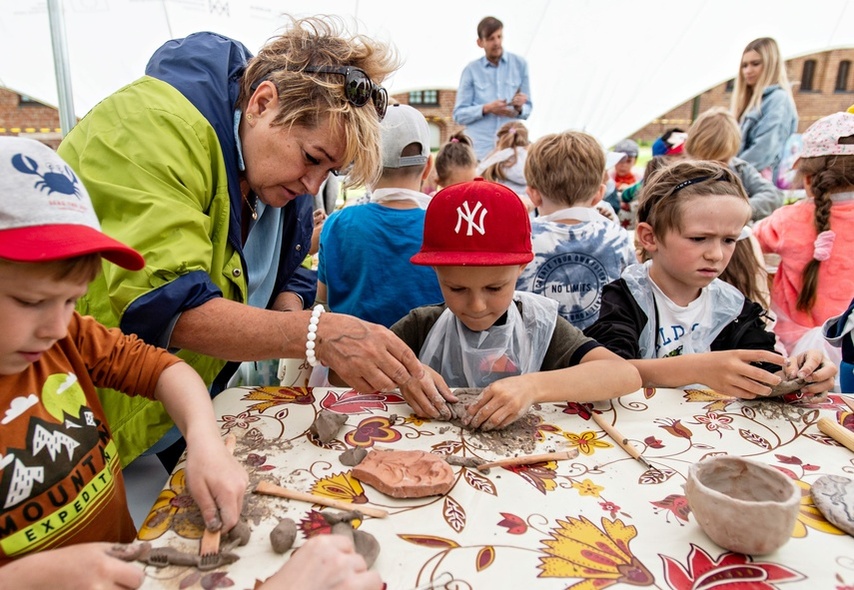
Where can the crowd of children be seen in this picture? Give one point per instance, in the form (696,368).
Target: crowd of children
(514,283)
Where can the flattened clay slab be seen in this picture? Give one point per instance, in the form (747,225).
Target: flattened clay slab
(833,495)
(405,474)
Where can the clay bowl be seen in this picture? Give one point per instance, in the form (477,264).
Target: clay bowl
(743,505)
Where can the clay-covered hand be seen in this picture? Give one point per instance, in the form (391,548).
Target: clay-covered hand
(367,356)
(813,367)
(217,482)
(75,567)
(500,403)
(324,562)
(427,396)
(730,372)
(519,99)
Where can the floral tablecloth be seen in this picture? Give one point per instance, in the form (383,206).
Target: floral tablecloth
(600,520)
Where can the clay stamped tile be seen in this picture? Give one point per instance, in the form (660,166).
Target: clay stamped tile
(405,474)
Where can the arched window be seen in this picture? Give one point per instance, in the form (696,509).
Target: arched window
(808,75)
(842,76)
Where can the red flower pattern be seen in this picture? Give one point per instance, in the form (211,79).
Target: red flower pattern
(730,571)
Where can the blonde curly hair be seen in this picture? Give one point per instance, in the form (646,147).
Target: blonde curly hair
(307,99)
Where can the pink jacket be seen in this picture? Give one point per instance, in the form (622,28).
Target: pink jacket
(790,232)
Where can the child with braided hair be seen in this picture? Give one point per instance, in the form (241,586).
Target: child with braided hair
(815,279)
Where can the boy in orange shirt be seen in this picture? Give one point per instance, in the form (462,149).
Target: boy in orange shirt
(60,478)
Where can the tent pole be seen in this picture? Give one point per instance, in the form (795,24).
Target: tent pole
(67,118)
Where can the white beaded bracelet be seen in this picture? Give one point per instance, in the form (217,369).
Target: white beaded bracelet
(312,335)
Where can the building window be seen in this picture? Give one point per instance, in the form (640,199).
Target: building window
(842,76)
(808,75)
(26,101)
(424,97)
(730,85)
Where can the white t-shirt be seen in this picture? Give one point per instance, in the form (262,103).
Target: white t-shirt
(677,322)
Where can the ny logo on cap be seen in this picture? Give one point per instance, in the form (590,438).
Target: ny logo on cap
(468,216)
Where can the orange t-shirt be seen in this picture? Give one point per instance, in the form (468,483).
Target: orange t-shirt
(61,480)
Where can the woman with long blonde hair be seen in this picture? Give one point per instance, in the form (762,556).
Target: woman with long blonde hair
(763,104)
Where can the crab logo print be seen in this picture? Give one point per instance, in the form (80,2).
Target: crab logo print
(62,181)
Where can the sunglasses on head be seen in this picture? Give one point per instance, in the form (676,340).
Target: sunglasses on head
(358,87)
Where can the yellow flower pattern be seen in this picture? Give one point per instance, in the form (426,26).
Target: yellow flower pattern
(174,509)
(341,486)
(587,488)
(586,441)
(580,549)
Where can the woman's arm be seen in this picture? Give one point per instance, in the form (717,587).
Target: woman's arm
(367,356)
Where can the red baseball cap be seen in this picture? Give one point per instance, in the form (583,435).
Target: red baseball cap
(477,223)
(45,211)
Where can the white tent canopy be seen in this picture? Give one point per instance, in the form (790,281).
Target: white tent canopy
(605,66)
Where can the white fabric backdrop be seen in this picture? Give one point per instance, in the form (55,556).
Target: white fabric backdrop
(605,66)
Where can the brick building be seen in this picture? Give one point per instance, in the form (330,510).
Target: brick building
(822,84)
(19,115)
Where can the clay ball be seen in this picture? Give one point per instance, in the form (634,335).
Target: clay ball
(743,505)
(282,537)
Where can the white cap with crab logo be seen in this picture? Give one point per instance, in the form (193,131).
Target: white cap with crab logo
(45,211)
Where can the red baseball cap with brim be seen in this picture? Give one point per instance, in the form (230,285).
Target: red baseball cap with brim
(477,223)
(46,213)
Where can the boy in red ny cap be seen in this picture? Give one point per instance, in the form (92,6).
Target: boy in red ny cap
(477,238)
(63,496)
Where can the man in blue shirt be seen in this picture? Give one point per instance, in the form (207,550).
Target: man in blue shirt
(493,89)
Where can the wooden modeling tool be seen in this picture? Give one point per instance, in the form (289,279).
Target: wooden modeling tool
(847,402)
(271,489)
(837,432)
(529,459)
(622,441)
(209,545)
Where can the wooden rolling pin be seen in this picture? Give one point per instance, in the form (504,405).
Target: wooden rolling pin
(271,489)
(837,432)
(529,459)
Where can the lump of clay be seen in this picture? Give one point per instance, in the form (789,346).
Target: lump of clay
(283,536)
(787,386)
(834,496)
(352,456)
(366,545)
(741,504)
(405,474)
(325,427)
(240,533)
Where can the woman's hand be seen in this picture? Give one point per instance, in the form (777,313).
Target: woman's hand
(369,357)
(75,567)
(501,403)
(427,396)
(324,562)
